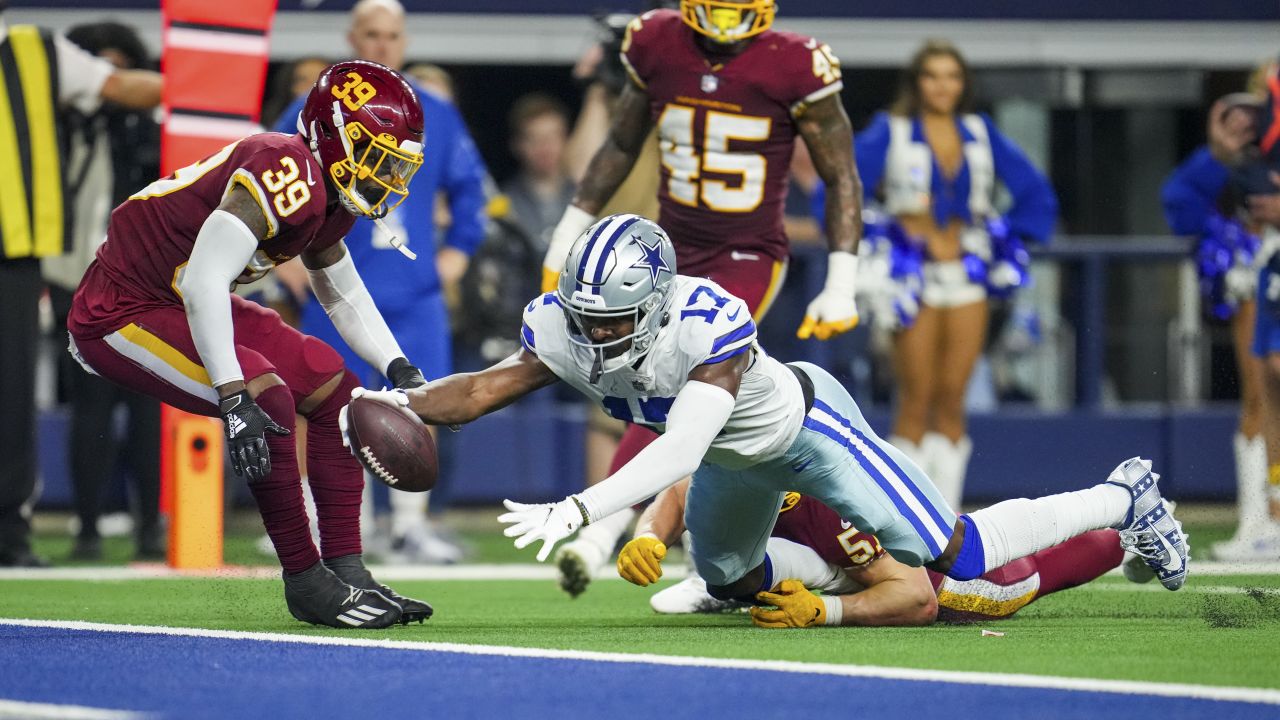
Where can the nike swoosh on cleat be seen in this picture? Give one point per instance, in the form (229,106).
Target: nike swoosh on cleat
(1175,557)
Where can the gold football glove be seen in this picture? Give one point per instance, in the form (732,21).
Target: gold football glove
(793,606)
(640,561)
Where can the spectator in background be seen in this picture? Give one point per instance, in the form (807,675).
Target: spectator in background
(33,227)
(433,78)
(541,190)
(936,166)
(410,294)
(112,152)
(1197,201)
(291,81)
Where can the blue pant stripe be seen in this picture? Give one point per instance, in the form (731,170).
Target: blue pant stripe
(884,484)
(942,525)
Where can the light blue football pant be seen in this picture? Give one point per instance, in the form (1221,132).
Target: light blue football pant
(837,459)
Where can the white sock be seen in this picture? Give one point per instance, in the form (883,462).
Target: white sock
(604,533)
(793,561)
(950,461)
(914,451)
(1017,528)
(408,511)
(1251,483)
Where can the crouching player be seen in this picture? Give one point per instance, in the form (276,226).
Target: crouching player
(154,314)
(861,583)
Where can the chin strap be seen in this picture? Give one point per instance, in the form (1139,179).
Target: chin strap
(395,241)
(597,367)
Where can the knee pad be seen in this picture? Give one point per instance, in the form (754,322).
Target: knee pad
(341,395)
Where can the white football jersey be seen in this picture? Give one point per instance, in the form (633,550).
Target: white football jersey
(706,325)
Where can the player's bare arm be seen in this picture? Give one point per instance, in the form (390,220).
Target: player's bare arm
(461,398)
(829,136)
(615,158)
(894,594)
(827,133)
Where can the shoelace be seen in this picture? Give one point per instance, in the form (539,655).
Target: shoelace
(1142,543)
(353,594)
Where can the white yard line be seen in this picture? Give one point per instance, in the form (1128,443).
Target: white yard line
(38,711)
(1126,687)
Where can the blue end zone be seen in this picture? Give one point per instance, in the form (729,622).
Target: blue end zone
(191,677)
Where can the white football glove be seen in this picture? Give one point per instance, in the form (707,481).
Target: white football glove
(397,399)
(548,522)
(572,224)
(834,310)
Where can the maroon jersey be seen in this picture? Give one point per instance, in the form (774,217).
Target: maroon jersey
(808,522)
(727,130)
(151,235)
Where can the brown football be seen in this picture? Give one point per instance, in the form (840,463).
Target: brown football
(393,447)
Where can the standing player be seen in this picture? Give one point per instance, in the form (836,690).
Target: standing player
(154,314)
(679,354)
(867,586)
(729,96)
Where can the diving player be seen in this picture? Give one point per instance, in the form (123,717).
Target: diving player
(870,587)
(679,354)
(154,314)
(729,96)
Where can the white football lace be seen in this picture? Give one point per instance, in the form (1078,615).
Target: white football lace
(353,594)
(376,467)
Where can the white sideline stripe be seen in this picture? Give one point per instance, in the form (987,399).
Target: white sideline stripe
(19,709)
(489,571)
(1194,589)
(1049,682)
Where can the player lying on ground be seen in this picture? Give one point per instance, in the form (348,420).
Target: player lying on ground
(154,314)
(679,354)
(863,585)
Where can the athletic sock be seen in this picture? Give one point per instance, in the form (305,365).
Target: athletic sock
(1017,528)
(279,494)
(1077,561)
(337,479)
(605,532)
(786,560)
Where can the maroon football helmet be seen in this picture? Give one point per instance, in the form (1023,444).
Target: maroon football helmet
(364,124)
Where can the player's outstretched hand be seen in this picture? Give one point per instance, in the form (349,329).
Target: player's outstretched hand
(246,426)
(793,607)
(834,310)
(548,522)
(640,560)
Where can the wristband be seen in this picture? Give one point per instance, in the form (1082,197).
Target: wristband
(835,609)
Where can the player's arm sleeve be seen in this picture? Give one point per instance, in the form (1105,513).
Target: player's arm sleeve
(698,414)
(223,247)
(464,185)
(287,123)
(349,305)
(1035,205)
(80,76)
(869,149)
(1190,192)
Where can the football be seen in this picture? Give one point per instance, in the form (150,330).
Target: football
(393,447)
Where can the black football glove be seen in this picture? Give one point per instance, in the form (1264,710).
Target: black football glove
(246,426)
(404,376)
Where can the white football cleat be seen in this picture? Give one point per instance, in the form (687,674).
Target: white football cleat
(1263,545)
(579,561)
(1151,531)
(690,596)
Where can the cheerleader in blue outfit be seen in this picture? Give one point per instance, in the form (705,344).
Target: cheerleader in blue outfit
(1228,258)
(934,167)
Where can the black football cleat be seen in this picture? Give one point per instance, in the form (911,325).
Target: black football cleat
(317,596)
(351,569)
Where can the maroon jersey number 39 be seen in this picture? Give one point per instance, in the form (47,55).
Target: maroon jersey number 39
(726,129)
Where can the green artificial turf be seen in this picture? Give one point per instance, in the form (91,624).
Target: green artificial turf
(1108,630)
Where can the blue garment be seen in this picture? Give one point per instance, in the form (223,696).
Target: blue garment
(837,459)
(1035,205)
(1190,194)
(450,164)
(1266,327)
(407,292)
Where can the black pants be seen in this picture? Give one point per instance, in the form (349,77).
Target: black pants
(20,287)
(93,446)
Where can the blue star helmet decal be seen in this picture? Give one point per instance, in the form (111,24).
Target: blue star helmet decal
(652,260)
